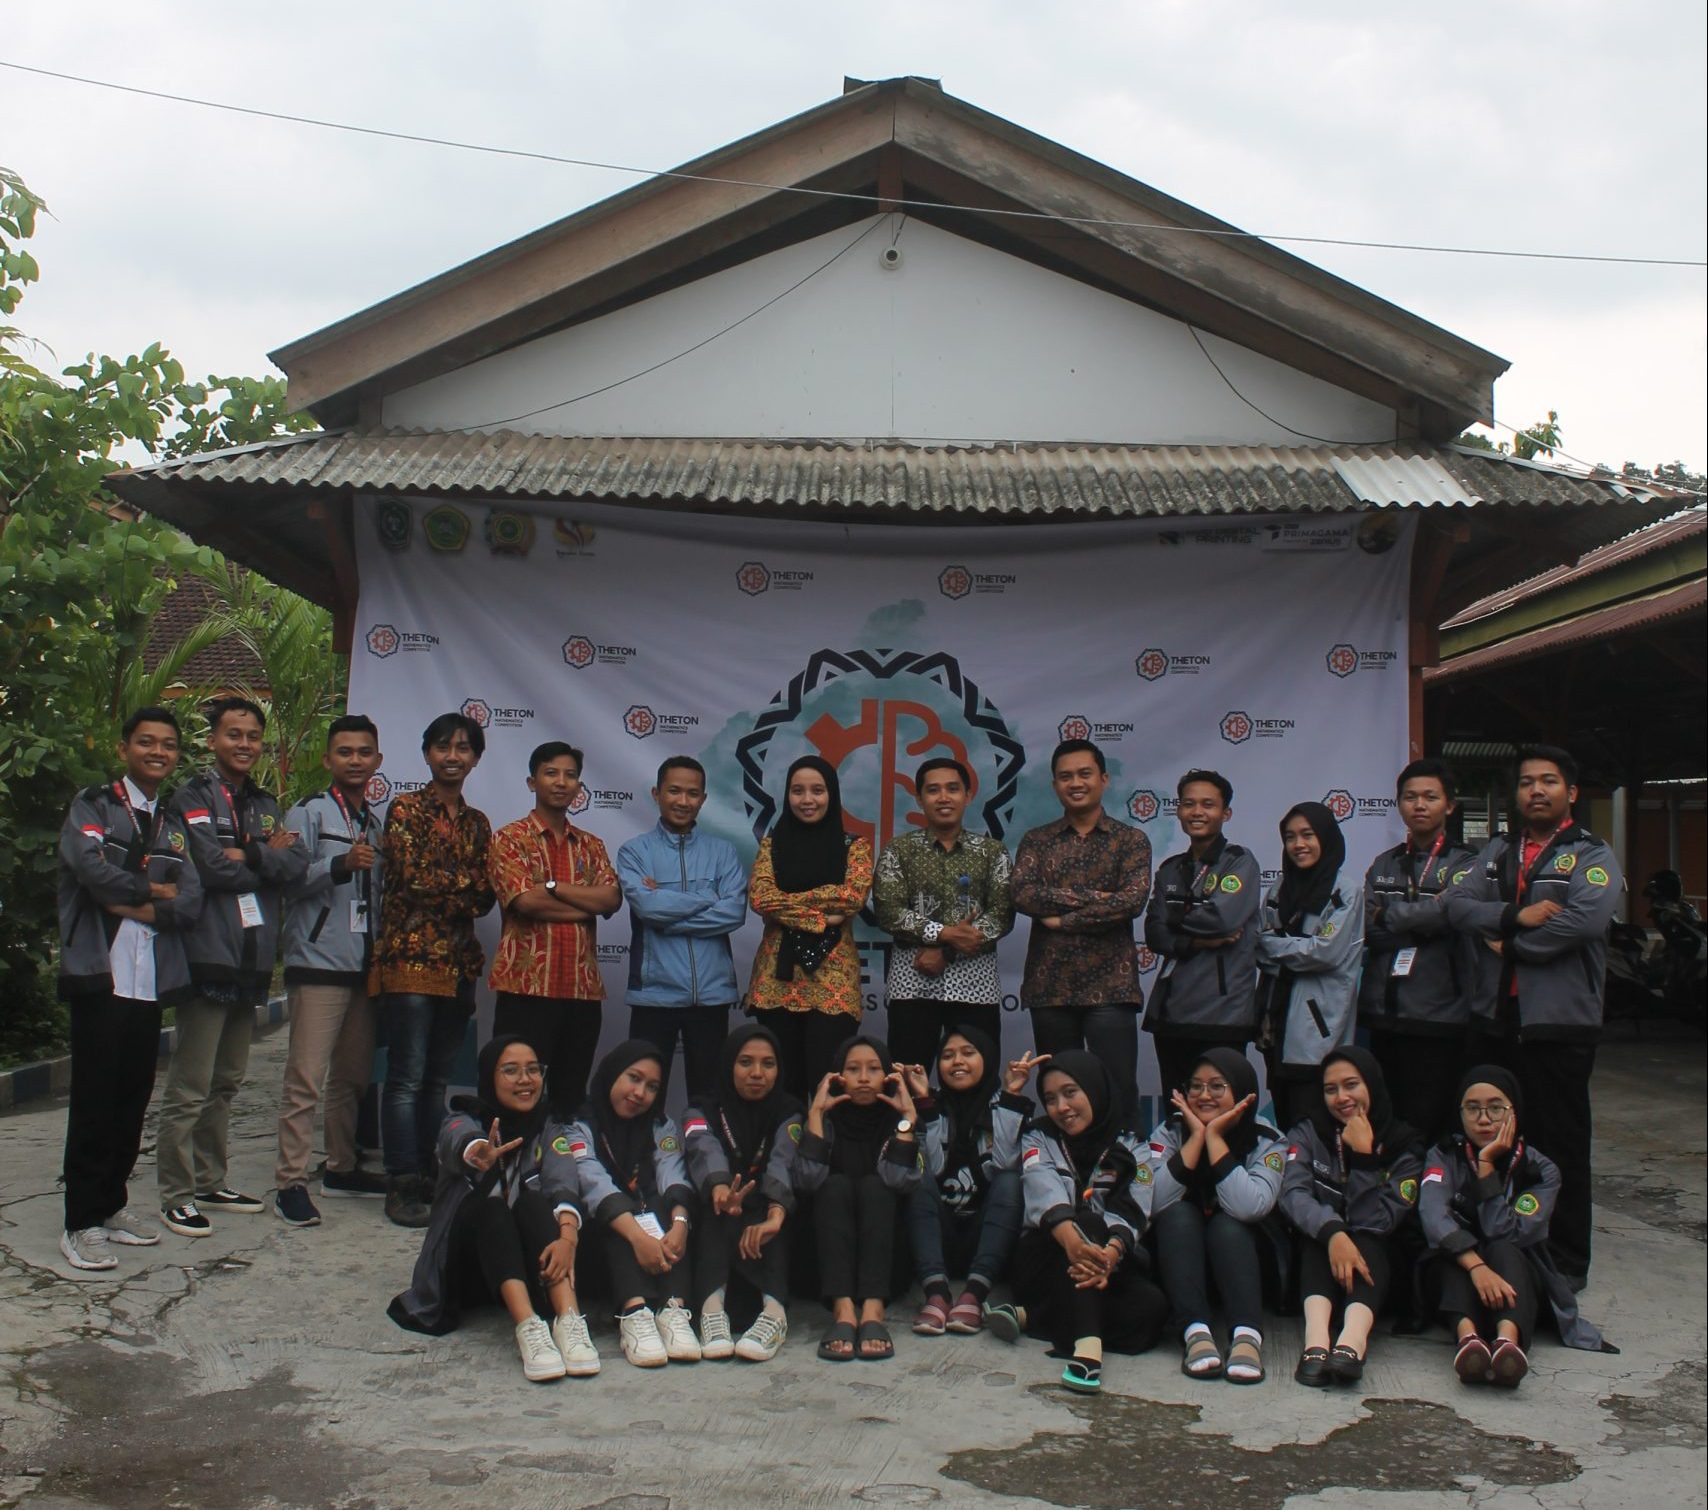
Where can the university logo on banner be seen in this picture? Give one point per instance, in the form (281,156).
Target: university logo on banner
(1152,665)
(875,715)
(642,722)
(1239,726)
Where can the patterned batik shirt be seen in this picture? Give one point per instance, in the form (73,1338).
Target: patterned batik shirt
(1096,884)
(559,960)
(918,888)
(436,885)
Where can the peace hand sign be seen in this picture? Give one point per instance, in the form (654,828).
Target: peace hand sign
(1020,1069)
(734,1196)
(483,1153)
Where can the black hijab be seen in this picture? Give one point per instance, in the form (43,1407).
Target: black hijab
(1392,1135)
(1236,1069)
(744,1127)
(624,1144)
(1088,1072)
(805,856)
(968,1112)
(861,1131)
(1506,1083)
(485,1105)
(1306,893)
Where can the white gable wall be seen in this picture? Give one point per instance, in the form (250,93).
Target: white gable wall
(960,342)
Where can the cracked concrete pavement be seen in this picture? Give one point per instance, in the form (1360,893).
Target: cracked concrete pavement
(257,1368)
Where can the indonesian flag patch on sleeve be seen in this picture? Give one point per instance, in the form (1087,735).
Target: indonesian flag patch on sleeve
(692,1125)
(578,1149)
(94,831)
(1434,1175)
(1031,1157)
(197,815)
(1292,1152)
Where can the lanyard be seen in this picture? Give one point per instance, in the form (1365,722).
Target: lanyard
(155,819)
(355,828)
(236,818)
(1525,872)
(1412,877)
(729,1141)
(632,1183)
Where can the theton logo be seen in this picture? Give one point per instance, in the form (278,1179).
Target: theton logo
(1151,664)
(1340,803)
(579,802)
(1143,806)
(479,711)
(1074,726)
(1343,660)
(1236,727)
(954,581)
(383,640)
(753,578)
(578,651)
(640,722)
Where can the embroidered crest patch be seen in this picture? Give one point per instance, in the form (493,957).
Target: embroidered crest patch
(1565,864)
(1326,931)
(794,1132)
(1230,884)
(1527,1205)
(1272,1160)
(1596,876)
(668,1144)
(1408,1192)
(560,1144)
(175,841)
(1142,1175)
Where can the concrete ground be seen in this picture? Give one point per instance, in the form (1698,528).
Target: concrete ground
(257,1368)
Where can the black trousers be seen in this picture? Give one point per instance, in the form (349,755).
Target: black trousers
(702,1031)
(1317,1278)
(1459,1296)
(1192,1249)
(1176,1054)
(493,1243)
(809,1041)
(1423,1078)
(1129,1315)
(717,1255)
(854,1220)
(1296,1092)
(917,1028)
(1110,1030)
(606,1265)
(1555,1080)
(564,1032)
(115,1047)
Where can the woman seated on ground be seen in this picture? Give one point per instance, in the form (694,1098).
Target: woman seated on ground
(1078,1279)
(859,1157)
(740,1144)
(965,1215)
(634,1187)
(1215,1174)
(504,1228)
(1350,1183)
(1485,1203)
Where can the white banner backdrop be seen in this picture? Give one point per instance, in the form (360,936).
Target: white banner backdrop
(1270,649)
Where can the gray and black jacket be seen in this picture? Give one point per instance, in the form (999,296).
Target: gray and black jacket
(105,860)
(1402,910)
(899,1163)
(1560,968)
(1327,1188)
(1312,982)
(1460,1211)
(1116,1192)
(430,1303)
(1209,995)
(573,1162)
(1246,1189)
(707,1150)
(317,942)
(998,1149)
(223,954)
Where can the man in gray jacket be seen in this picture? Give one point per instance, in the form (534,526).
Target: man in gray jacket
(1541,899)
(245,857)
(127,892)
(330,916)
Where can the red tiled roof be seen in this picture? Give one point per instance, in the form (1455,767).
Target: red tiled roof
(227,662)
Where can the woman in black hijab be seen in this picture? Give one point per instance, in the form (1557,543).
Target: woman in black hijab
(740,1144)
(1309,953)
(809,879)
(1215,1175)
(965,1215)
(504,1227)
(1349,1186)
(1078,1270)
(1485,1204)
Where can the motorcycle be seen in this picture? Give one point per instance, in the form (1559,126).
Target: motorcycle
(1664,971)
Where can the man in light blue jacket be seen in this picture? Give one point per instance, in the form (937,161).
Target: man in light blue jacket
(687,893)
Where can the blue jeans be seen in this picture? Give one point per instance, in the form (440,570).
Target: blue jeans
(424,1034)
(975,1243)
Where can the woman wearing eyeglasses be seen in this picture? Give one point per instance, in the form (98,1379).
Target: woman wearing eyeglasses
(506,1220)
(1485,1204)
(1214,1173)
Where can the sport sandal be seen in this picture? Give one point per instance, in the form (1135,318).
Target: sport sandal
(1203,1359)
(1245,1362)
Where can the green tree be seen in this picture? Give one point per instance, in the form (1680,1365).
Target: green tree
(1539,439)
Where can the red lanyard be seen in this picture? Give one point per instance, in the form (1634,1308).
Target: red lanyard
(1527,869)
(236,818)
(1412,879)
(354,827)
(152,832)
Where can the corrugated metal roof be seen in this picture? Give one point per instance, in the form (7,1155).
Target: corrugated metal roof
(1009,481)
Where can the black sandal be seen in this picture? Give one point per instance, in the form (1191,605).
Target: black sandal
(874,1331)
(1313,1371)
(840,1331)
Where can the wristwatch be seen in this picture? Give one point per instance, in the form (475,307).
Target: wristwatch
(551,888)
(904,1127)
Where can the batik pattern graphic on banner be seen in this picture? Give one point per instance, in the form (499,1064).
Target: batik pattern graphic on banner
(1269,649)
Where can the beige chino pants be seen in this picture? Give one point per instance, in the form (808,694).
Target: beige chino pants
(331,1051)
(208,1065)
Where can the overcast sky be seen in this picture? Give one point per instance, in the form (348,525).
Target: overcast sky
(1570,125)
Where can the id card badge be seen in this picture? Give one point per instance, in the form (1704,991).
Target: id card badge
(648,1223)
(1404,959)
(358,917)
(249,910)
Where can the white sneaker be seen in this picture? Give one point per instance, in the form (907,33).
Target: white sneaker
(541,1360)
(676,1326)
(575,1344)
(130,1229)
(642,1345)
(87,1249)
(761,1342)
(715,1339)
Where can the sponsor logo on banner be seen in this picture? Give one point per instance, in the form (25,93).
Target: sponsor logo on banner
(1379,533)
(508,533)
(382,788)
(581,801)
(755,577)
(387,639)
(1345,806)
(572,538)
(1237,727)
(1307,535)
(446,528)
(1343,660)
(1221,534)
(1148,959)
(393,524)
(1152,665)
(1078,726)
(580,652)
(958,582)
(875,715)
(490,716)
(643,722)
(610,799)
(1145,805)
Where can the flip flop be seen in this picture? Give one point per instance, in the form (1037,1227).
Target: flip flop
(1083,1376)
(840,1331)
(1004,1322)
(874,1331)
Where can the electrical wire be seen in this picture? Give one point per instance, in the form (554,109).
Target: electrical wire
(1227,233)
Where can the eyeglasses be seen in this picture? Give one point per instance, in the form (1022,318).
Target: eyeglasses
(1495,1111)
(1205,1087)
(533,1070)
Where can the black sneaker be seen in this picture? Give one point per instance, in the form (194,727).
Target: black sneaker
(403,1203)
(225,1199)
(186,1220)
(294,1208)
(352,1182)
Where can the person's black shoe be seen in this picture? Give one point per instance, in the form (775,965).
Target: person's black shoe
(1313,1371)
(1346,1366)
(226,1199)
(403,1203)
(352,1182)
